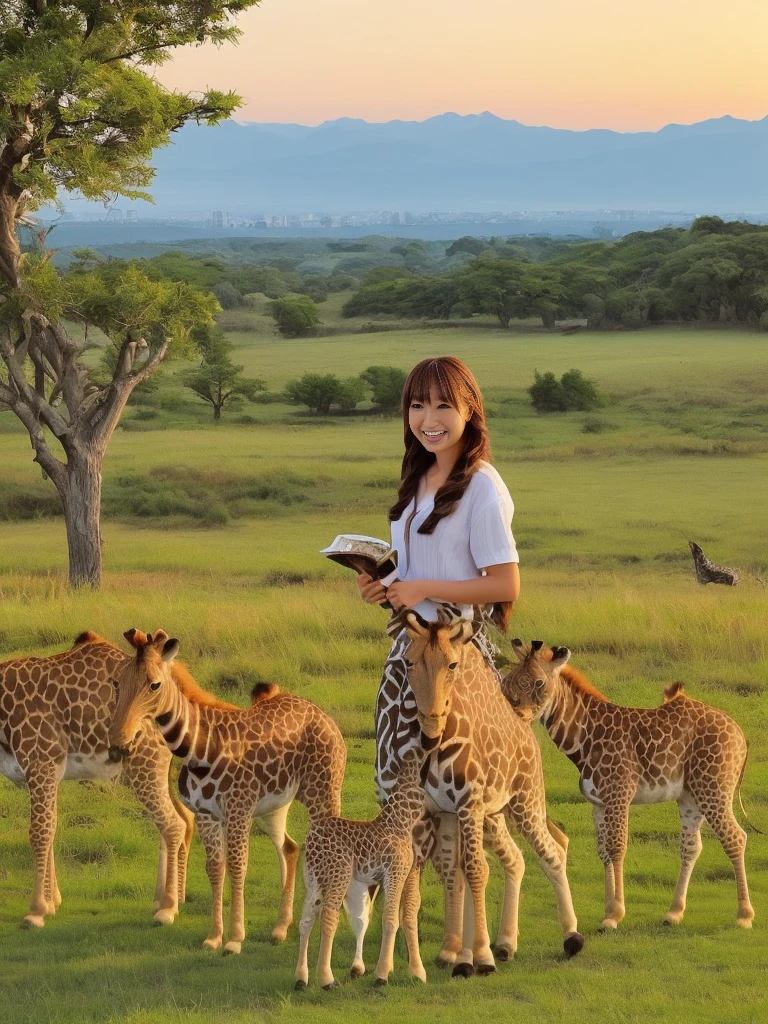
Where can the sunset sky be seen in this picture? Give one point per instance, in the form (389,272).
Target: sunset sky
(621,64)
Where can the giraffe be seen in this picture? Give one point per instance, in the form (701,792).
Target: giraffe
(238,764)
(484,767)
(54,718)
(683,750)
(373,853)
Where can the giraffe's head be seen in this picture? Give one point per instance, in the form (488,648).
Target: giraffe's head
(433,657)
(531,685)
(145,688)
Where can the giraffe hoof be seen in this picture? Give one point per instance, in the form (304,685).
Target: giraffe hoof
(33,921)
(463,971)
(331,985)
(573,944)
(279,934)
(743,922)
(445,959)
(300,986)
(483,970)
(607,925)
(672,919)
(232,948)
(381,982)
(214,943)
(503,953)
(357,971)
(164,917)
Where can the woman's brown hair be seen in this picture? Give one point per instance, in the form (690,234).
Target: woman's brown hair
(451,380)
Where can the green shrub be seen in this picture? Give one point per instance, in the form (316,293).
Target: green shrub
(386,383)
(572,392)
(296,316)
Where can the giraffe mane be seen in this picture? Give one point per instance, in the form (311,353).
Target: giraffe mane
(194,692)
(577,681)
(88,637)
(580,684)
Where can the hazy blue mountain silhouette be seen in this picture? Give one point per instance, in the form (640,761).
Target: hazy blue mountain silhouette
(463,162)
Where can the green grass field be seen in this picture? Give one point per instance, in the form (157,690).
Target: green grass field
(602,520)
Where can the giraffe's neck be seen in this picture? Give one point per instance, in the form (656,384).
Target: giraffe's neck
(406,802)
(187,728)
(570,718)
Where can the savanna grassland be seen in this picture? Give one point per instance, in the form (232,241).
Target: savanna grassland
(212,533)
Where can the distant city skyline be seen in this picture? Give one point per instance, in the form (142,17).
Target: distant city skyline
(634,66)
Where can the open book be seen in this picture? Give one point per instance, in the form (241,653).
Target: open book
(364,554)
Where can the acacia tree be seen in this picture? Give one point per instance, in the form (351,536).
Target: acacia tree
(218,379)
(79,112)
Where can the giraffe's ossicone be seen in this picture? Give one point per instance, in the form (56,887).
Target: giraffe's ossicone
(683,750)
(54,720)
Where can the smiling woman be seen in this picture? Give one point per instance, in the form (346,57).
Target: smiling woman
(451,520)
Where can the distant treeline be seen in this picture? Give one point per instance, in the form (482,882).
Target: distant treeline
(712,272)
(715,271)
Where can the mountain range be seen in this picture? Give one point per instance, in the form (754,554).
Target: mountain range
(453,162)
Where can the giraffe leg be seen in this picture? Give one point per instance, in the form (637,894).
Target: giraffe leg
(476,873)
(497,838)
(330,910)
(288,857)
(733,838)
(306,924)
(43,782)
(52,893)
(238,842)
(188,818)
(146,773)
(532,824)
(690,848)
(358,904)
(612,821)
(162,875)
(393,891)
(212,838)
(409,905)
(446,861)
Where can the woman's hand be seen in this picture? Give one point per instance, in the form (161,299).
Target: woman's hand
(407,595)
(372,591)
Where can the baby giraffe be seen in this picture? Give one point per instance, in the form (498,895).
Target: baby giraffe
(339,851)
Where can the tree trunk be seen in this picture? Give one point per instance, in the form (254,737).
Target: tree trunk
(82,508)
(216,412)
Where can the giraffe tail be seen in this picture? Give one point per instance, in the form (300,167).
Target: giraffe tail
(747,822)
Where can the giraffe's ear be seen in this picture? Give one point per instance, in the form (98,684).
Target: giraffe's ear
(170,649)
(560,656)
(416,625)
(466,631)
(136,638)
(519,648)
(158,638)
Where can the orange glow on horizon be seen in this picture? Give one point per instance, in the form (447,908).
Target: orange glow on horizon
(631,67)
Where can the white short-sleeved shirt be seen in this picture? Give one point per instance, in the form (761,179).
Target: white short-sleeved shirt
(478,533)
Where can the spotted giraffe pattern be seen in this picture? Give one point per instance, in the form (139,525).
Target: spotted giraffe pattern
(484,763)
(373,853)
(238,764)
(54,719)
(683,750)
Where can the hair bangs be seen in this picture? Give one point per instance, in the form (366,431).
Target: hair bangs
(445,377)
